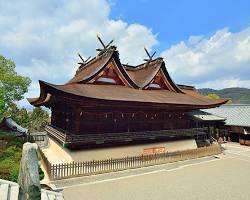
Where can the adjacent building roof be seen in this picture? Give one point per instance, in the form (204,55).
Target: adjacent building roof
(9,124)
(235,114)
(105,78)
(10,190)
(200,115)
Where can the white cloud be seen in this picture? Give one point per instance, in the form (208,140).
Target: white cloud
(225,83)
(211,61)
(43,37)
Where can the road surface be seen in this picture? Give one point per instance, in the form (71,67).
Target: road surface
(227,177)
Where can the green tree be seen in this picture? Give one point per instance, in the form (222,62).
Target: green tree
(38,119)
(213,96)
(19,115)
(12,85)
(34,120)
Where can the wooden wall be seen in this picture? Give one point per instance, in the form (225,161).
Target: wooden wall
(82,121)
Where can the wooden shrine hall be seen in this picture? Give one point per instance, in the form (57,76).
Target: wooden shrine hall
(110,103)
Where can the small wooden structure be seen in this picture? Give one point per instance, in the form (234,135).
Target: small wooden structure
(108,99)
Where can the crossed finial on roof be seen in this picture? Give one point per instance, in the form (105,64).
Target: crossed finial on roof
(104,46)
(83,61)
(150,56)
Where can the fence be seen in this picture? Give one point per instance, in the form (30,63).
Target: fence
(40,138)
(67,170)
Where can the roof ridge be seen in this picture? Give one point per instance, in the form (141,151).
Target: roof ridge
(142,65)
(95,59)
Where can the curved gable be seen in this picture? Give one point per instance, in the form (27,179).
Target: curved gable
(93,67)
(110,74)
(169,80)
(159,81)
(144,73)
(99,66)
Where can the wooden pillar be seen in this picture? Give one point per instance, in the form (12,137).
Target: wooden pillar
(77,119)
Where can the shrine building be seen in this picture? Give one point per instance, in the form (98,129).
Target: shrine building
(110,103)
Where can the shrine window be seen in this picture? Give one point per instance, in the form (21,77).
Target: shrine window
(154,85)
(106,80)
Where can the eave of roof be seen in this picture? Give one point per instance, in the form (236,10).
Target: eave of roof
(126,94)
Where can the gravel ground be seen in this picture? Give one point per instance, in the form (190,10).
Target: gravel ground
(226,178)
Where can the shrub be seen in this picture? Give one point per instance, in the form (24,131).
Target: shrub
(10,158)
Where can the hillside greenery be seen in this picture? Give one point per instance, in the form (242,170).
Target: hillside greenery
(237,95)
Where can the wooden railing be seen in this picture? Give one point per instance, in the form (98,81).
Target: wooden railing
(74,169)
(40,138)
(56,134)
(67,138)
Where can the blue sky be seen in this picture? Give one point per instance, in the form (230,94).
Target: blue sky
(176,20)
(204,43)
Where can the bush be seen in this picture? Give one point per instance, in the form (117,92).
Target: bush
(9,163)
(10,158)
(41,173)
(14,172)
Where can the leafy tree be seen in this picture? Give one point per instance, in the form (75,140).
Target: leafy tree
(12,85)
(38,119)
(19,115)
(33,120)
(213,96)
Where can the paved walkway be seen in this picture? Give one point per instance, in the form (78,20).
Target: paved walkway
(226,178)
(89,180)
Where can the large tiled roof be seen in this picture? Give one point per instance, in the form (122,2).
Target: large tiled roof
(235,114)
(135,88)
(123,93)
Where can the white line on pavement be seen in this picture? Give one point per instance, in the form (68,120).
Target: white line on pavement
(238,147)
(238,158)
(236,153)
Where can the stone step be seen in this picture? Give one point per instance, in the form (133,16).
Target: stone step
(14,192)
(4,191)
